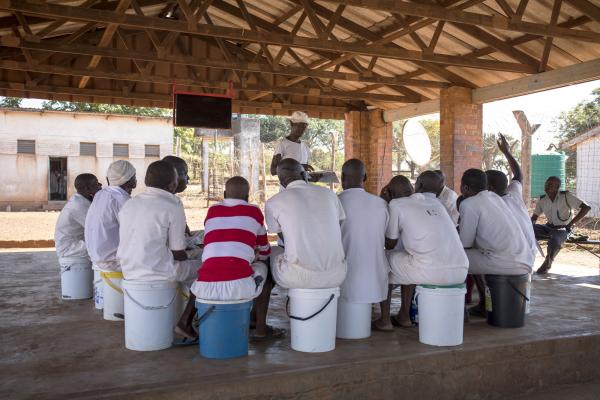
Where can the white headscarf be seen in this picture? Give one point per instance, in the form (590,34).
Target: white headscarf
(120,172)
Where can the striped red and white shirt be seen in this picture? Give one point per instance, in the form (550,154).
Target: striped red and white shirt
(233,230)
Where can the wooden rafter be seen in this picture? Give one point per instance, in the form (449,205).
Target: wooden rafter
(548,43)
(587,8)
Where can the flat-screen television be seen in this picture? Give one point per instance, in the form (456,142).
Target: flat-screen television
(202,111)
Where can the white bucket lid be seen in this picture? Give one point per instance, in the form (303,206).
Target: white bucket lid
(450,290)
(222,301)
(314,293)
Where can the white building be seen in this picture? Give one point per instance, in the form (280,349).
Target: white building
(588,168)
(41,152)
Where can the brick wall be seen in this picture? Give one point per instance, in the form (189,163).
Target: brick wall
(461,140)
(368,138)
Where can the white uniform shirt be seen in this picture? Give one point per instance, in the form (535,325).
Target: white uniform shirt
(152,224)
(102,227)
(514,200)
(69,230)
(427,233)
(363,236)
(309,217)
(448,198)
(486,223)
(560,211)
(298,151)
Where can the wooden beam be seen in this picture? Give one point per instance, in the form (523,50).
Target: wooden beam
(142,23)
(573,74)
(465,17)
(217,64)
(548,43)
(587,8)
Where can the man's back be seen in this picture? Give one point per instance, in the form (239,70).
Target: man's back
(309,217)
(151,225)
(426,231)
(514,200)
(448,198)
(486,223)
(102,224)
(69,230)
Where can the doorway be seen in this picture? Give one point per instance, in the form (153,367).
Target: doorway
(57,185)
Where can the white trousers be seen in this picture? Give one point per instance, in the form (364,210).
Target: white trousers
(404,271)
(239,289)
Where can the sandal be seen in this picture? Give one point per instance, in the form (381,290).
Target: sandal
(185,341)
(272,334)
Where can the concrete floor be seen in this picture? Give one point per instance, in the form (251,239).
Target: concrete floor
(50,348)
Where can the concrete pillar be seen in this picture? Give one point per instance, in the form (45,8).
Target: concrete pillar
(369,138)
(461,139)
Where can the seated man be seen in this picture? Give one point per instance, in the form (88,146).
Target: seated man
(307,217)
(490,234)
(448,197)
(557,206)
(69,232)
(363,236)
(431,254)
(512,194)
(182,178)
(102,223)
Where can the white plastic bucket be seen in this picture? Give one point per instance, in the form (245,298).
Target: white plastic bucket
(313,319)
(441,314)
(149,314)
(76,281)
(98,291)
(353,320)
(113,295)
(528,295)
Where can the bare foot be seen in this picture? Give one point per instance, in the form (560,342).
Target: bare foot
(186,331)
(382,326)
(401,322)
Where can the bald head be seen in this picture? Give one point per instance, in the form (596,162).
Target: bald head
(237,188)
(182,171)
(400,186)
(497,181)
(161,175)
(429,182)
(354,174)
(289,170)
(87,185)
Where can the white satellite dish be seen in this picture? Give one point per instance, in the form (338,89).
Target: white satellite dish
(416,142)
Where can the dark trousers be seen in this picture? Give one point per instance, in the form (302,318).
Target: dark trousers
(556,237)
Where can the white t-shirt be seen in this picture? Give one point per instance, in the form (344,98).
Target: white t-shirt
(560,211)
(69,231)
(427,233)
(448,198)
(363,236)
(514,200)
(298,151)
(102,227)
(309,217)
(152,224)
(486,223)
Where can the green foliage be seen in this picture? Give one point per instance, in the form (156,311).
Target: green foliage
(493,158)
(10,102)
(188,140)
(576,121)
(105,108)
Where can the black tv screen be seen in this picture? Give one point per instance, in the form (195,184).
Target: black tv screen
(201,111)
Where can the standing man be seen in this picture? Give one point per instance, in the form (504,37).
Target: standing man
(69,232)
(291,146)
(363,237)
(512,194)
(102,222)
(307,217)
(557,205)
(448,197)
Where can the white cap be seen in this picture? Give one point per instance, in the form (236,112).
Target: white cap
(119,172)
(299,117)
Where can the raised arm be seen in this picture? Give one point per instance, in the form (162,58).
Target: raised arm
(514,165)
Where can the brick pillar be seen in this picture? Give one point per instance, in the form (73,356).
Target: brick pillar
(461,139)
(368,138)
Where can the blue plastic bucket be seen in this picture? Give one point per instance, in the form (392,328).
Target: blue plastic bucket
(223,329)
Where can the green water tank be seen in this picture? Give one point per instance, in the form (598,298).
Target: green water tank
(544,165)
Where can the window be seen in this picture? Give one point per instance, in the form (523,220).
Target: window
(120,150)
(152,150)
(87,149)
(26,146)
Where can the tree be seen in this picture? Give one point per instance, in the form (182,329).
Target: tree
(105,108)
(569,124)
(10,102)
